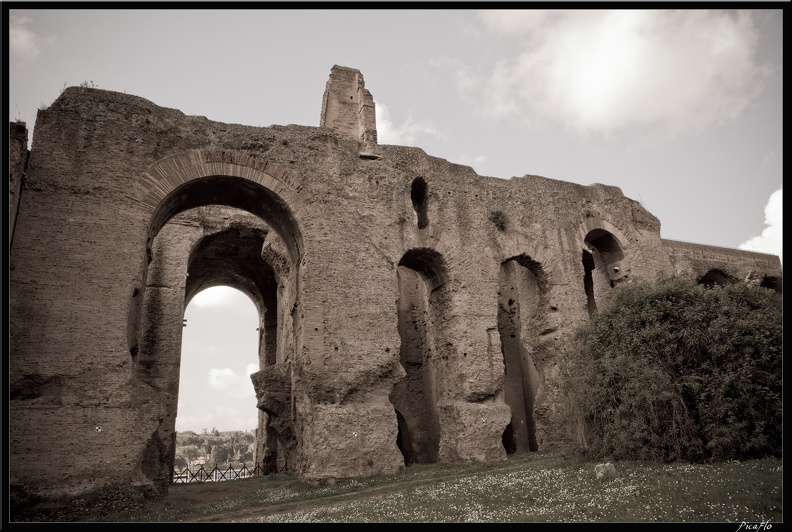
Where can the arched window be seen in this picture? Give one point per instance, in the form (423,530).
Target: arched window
(419,194)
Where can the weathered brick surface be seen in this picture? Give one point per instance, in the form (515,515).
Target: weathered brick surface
(129,209)
(17,163)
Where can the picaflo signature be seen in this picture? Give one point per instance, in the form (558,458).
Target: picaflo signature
(764,525)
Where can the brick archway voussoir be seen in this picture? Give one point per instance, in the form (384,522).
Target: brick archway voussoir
(453,253)
(516,245)
(590,224)
(164,176)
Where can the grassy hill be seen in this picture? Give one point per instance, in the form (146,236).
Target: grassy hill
(536,487)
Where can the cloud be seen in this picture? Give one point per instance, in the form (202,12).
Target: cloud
(770,239)
(404,135)
(227,381)
(474,161)
(218,296)
(601,71)
(23,43)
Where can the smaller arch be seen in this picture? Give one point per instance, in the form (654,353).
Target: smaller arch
(239,333)
(419,195)
(522,288)
(429,263)
(420,311)
(517,245)
(771,282)
(716,277)
(231,256)
(604,266)
(608,254)
(608,246)
(534,266)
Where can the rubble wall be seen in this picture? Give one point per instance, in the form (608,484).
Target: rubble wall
(91,400)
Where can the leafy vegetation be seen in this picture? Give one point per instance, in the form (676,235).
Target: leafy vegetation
(499,219)
(213,447)
(678,371)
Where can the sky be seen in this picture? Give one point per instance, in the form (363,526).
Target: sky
(681,109)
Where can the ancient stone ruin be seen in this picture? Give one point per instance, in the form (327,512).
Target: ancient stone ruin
(411,310)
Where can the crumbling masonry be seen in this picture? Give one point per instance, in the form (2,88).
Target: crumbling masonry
(411,310)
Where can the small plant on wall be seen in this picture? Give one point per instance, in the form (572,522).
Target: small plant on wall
(499,219)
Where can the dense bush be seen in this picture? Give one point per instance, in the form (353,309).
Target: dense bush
(677,371)
(499,219)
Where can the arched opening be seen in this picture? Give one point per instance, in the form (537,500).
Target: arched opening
(605,245)
(227,191)
(220,350)
(235,217)
(771,282)
(716,277)
(604,267)
(418,194)
(233,256)
(421,307)
(588,283)
(521,290)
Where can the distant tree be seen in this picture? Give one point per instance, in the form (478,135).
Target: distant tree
(180,462)
(247,454)
(215,432)
(220,454)
(188,438)
(189,453)
(234,444)
(206,448)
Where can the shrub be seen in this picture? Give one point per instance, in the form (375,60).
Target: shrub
(677,371)
(499,219)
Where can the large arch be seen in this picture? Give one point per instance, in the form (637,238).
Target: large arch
(198,249)
(232,257)
(211,177)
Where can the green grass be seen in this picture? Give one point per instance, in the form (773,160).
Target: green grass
(539,487)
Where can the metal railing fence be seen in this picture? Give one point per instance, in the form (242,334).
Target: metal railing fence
(215,474)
